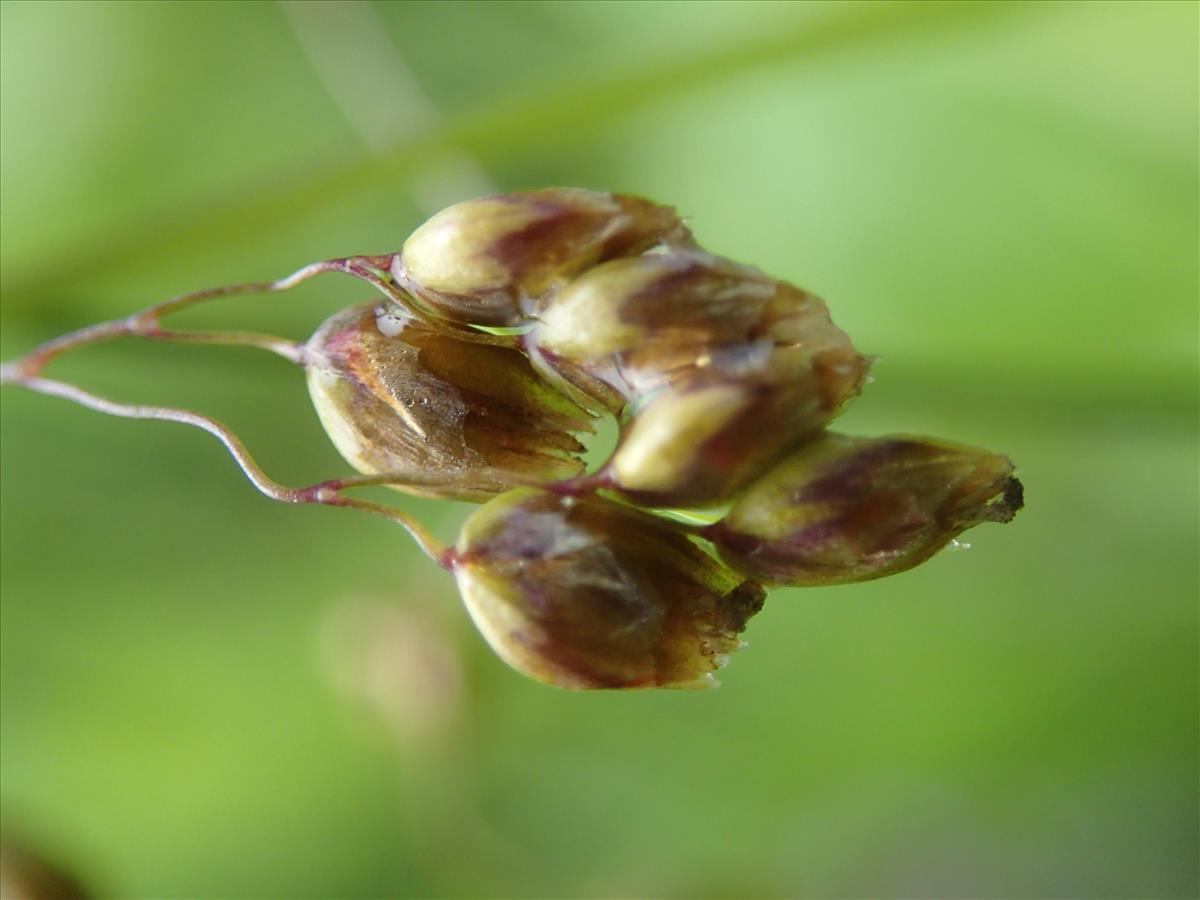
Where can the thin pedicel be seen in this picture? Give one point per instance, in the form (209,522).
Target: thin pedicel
(26,372)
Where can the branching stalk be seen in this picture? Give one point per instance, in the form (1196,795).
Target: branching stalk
(326,493)
(146,324)
(27,371)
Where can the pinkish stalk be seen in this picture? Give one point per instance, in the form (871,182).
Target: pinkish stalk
(326,493)
(26,372)
(146,324)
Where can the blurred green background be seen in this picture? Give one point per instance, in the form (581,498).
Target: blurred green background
(207,694)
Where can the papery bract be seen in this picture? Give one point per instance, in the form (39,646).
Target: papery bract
(851,509)
(639,323)
(398,395)
(589,593)
(494,260)
(701,440)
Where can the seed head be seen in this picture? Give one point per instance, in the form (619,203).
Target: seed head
(494,260)
(399,395)
(700,440)
(846,509)
(641,322)
(589,593)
